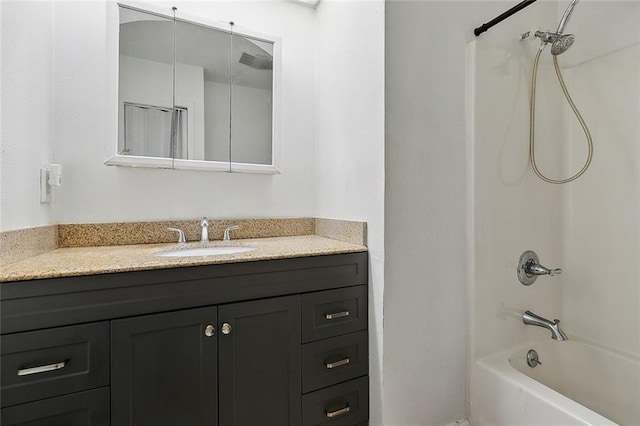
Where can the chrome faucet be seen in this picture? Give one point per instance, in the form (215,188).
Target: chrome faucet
(204,235)
(530,318)
(226,236)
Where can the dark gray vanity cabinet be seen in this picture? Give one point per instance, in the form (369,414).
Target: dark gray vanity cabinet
(280,342)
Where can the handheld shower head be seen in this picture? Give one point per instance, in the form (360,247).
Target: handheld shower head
(565,17)
(561,43)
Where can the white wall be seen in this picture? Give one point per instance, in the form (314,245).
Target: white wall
(425,292)
(93,192)
(27,103)
(426,239)
(350,143)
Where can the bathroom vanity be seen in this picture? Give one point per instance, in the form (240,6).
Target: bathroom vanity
(270,342)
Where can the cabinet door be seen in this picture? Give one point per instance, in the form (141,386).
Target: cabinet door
(164,369)
(259,363)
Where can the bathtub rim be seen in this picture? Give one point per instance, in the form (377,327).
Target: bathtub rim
(499,363)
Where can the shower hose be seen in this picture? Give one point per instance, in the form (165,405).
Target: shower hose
(532,116)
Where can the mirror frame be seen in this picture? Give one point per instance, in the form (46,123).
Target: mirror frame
(112,98)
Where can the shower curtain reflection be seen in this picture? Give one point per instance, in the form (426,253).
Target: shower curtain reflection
(147,131)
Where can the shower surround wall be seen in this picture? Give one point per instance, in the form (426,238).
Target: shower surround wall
(588,227)
(601,292)
(514,211)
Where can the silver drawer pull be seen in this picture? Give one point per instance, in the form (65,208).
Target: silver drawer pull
(340,363)
(336,315)
(42,368)
(332,414)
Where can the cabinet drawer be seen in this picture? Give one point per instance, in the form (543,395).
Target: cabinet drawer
(333,312)
(346,404)
(45,363)
(330,361)
(89,408)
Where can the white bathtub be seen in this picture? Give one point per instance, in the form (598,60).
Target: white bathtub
(577,384)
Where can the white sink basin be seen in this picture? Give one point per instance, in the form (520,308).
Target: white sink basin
(205,251)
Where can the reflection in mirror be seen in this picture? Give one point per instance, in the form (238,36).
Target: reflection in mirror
(251,100)
(145,107)
(145,125)
(202,85)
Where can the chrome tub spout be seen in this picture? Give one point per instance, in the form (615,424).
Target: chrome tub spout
(530,318)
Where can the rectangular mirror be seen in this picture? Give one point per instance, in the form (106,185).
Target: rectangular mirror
(194,95)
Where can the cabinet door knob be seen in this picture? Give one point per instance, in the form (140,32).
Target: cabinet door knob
(209,330)
(226,328)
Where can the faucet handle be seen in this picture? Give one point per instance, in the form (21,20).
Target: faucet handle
(533,268)
(181,237)
(529,268)
(226,236)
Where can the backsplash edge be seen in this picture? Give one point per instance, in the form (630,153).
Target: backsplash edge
(24,243)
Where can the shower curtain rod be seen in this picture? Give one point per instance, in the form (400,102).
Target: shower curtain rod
(515,9)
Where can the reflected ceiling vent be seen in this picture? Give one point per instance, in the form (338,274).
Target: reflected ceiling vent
(257,61)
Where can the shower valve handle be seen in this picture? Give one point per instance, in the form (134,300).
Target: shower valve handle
(533,268)
(529,268)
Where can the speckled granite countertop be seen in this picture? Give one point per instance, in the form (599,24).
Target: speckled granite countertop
(101,260)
